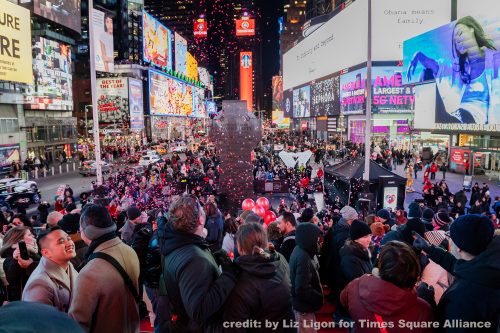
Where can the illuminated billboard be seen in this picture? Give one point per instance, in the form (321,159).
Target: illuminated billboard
(246,79)
(288,103)
(204,76)
(180,54)
(103,42)
(279,119)
(277,92)
(65,12)
(191,67)
(136,104)
(199,107)
(211,108)
(245,27)
(200,29)
(156,41)
(52,88)
(169,96)
(302,102)
(325,100)
(112,100)
(353,92)
(389,94)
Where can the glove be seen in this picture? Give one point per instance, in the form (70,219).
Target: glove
(420,243)
(222,257)
(426,292)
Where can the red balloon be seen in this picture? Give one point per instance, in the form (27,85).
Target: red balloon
(259,210)
(269,217)
(262,201)
(247,204)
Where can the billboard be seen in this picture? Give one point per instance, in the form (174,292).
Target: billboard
(52,88)
(288,103)
(156,41)
(277,92)
(325,99)
(15,54)
(8,154)
(204,76)
(425,106)
(278,118)
(390,197)
(245,27)
(66,13)
(389,94)
(103,42)
(327,51)
(180,54)
(191,67)
(353,91)
(463,59)
(302,102)
(136,104)
(199,107)
(169,96)
(200,29)
(211,108)
(112,100)
(246,79)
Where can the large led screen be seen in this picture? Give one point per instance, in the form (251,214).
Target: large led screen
(302,102)
(112,100)
(136,104)
(211,108)
(103,42)
(52,88)
(199,107)
(277,92)
(180,54)
(288,103)
(169,96)
(389,94)
(325,99)
(157,42)
(192,67)
(64,12)
(353,91)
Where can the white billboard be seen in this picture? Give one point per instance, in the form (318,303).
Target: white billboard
(425,106)
(103,42)
(338,44)
(477,8)
(394,21)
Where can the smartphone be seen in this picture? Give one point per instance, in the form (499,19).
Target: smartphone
(23,251)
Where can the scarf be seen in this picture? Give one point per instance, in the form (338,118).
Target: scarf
(98,241)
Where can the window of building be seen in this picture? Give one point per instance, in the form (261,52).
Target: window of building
(9,125)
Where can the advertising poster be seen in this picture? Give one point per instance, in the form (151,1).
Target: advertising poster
(136,105)
(199,108)
(277,82)
(278,118)
(159,127)
(204,76)
(352,92)
(192,67)
(325,99)
(302,102)
(245,27)
(169,96)
(112,101)
(157,42)
(52,88)
(390,197)
(15,60)
(246,79)
(65,12)
(103,42)
(288,103)
(357,131)
(463,58)
(200,29)
(180,54)
(389,95)
(8,154)
(211,108)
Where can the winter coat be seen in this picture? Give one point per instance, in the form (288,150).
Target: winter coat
(16,276)
(50,284)
(307,294)
(354,262)
(261,293)
(152,268)
(196,289)
(140,243)
(339,236)
(288,245)
(369,297)
(475,293)
(101,302)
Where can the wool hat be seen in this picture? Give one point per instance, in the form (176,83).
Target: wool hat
(441,219)
(133,212)
(70,223)
(349,213)
(307,215)
(359,229)
(414,224)
(95,221)
(472,233)
(414,211)
(427,214)
(384,214)
(379,229)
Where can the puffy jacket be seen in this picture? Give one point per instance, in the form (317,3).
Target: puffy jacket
(354,262)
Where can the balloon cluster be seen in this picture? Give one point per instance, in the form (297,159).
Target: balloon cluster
(260,208)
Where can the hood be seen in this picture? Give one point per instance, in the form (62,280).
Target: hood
(171,240)
(483,269)
(384,298)
(259,265)
(306,237)
(354,250)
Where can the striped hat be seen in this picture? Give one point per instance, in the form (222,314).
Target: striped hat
(441,219)
(435,237)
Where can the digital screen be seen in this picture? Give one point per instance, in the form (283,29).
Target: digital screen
(325,100)
(192,67)
(200,29)
(204,76)
(103,42)
(245,27)
(389,94)
(211,108)
(157,42)
(302,102)
(288,103)
(180,54)
(352,92)
(52,88)
(112,101)
(199,108)
(136,104)
(64,12)
(8,154)
(169,96)
(277,82)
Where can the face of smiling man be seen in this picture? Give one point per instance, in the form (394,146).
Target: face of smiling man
(58,247)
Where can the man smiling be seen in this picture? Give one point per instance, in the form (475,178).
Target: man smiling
(53,280)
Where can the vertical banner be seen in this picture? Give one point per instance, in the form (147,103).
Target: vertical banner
(200,29)
(246,81)
(103,42)
(136,105)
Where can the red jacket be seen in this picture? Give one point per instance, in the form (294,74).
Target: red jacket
(373,299)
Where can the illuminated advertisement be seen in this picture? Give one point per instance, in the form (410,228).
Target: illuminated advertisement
(357,131)
(390,197)
(277,92)
(103,42)
(352,92)
(200,29)
(245,27)
(288,103)
(211,108)
(463,59)
(180,54)
(8,154)
(302,102)
(65,12)
(169,96)
(192,67)
(136,104)
(52,88)
(279,119)
(15,57)
(204,76)
(112,100)
(325,99)
(157,42)
(389,94)
(199,108)
(246,79)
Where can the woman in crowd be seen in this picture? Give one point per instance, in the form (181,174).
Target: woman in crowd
(215,226)
(230,229)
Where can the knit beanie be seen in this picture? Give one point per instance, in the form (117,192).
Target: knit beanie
(359,229)
(384,214)
(472,233)
(427,215)
(307,215)
(414,211)
(95,221)
(348,213)
(441,219)
(133,212)
(412,225)
(70,223)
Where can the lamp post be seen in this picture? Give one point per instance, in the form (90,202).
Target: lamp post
(368,126)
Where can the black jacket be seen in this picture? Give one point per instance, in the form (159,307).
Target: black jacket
(340,235)
(16,276)
(475,294)
(195,288)
(354,262)
(307,294)
(140,242)
(152,269)
(288,245)
(261,293)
